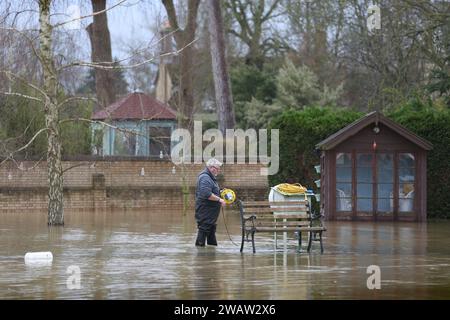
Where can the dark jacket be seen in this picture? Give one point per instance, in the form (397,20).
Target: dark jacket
(206,211)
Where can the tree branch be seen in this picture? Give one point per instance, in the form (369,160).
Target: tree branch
(79,165)
(35,51)
(26,82)
(10,154)
(113,66)
(172,16)
(89,15)
(22,96)
(267,16)
(70,99)
(192,14)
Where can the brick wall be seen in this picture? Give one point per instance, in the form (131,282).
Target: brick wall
(119,184)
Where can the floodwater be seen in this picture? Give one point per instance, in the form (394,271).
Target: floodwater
(150,254)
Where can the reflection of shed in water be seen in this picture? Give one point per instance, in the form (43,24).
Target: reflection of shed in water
(374,169)
(399,249)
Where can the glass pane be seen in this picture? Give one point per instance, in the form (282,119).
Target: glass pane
(159,140)
(97,142)
(124,143)
(344,174)
(343,159)
(406,174)
(405,205)
(344,190)
(406,191)
(364,190)
(364,204)
(386,159)
(364,160)
(385,190)
(385,166)
(385,205)
(343,204)
(364,174)
(406,160)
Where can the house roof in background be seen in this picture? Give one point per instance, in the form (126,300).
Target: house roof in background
(373,117)
(136,106)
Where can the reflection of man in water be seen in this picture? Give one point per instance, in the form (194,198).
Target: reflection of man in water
(208,203)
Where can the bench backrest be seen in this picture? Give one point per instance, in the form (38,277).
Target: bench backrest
(275,213)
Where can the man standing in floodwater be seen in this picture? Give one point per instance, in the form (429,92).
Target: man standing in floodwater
(208,203)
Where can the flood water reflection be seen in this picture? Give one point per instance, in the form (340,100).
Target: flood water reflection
(150,254)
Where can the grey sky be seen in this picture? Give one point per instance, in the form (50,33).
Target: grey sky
(131,23)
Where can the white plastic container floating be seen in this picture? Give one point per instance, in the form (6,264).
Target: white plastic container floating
(317,182)
(39,258)
(317,168)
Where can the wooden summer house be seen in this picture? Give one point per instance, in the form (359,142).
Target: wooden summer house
(374,169)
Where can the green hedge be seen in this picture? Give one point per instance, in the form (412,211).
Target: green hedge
(300,131)
(434,126)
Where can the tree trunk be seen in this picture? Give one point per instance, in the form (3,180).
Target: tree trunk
(224,100)
(306,46)
(184,38)
(101,53)
(55,177)
(186,101)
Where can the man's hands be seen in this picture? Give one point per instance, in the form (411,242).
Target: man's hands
(213,197)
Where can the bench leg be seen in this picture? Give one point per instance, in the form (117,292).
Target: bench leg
(321,244)
(253,241)
(299,241)
(243,237)
(311,235)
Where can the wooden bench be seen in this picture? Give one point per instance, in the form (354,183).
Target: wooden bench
(279,216)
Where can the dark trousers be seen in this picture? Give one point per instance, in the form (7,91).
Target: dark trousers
(206,233)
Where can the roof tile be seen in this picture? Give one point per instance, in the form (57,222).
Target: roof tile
(136,106)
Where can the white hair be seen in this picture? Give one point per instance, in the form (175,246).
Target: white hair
(213,162)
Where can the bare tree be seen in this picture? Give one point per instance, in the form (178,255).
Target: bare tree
(224,100)
(315,36)
(52,127)
(390,64)
(252,18)
(101,52)
(184,39)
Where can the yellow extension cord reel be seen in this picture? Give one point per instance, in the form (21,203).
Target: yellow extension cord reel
(228,195)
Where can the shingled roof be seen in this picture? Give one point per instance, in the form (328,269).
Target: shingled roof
(373,117)
(136,106)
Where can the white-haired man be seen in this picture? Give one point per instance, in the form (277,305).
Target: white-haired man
(208,203)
